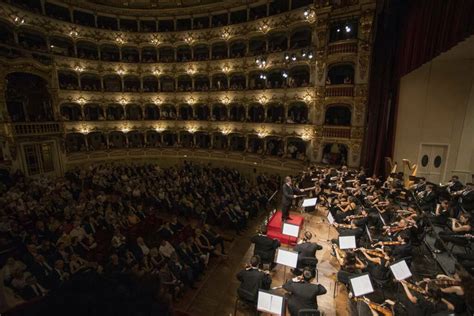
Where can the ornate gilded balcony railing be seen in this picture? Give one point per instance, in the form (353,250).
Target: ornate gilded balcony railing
(342,47)
(51,27)
(304,131)
(339,90)
(186,153)
(336,131)
(36,128)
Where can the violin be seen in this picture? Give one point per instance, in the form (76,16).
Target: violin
(385,311)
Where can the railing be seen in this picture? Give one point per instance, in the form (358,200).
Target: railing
(337,131)
(220,156)
(36,128)
(340,90)
(343,47)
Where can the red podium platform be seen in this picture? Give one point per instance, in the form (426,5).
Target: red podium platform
(274,228)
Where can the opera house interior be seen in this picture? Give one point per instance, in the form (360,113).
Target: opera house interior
(236,157)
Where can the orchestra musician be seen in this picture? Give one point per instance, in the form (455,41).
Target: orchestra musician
(303,293)
(306,252)
(252,279)
(265,247)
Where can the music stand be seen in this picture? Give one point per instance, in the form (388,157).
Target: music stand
(287,258)
(291,230)
(361,285)
(331,221)
(400,270)
(347,242)
(270,303)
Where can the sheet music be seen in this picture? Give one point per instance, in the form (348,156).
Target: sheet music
(264,301)
(270,303)
(291,230)
(400,270)
(330,218)
(309,202)
(347,242)
(287,258)
(361,285)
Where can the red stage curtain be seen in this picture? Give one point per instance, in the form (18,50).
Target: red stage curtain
(408,34)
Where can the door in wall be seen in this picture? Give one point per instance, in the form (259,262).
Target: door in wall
(432,162)
(40,159)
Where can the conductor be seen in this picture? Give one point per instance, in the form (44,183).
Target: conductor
(288,194)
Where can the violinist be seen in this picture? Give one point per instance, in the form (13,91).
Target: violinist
(303,293)
(378,267)
(421,303)
(252,279)
(350,264)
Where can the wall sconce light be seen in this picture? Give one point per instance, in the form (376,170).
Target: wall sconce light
(120,72)
(157,72)
(264,27)
(192,129)
(84,129)
(284,74)
(226,68)
(226,130)
(119,40)
(309,14)
(157,101)
(262,134)
(123,101)
(79,68)
(159,129)
(306,136)
(263,99)
(308,98)
(18,20)
(261,62)
(263,76)
(293,57)
(191,100)
(225,100)
(225,34)
(155,41)
(189,39)
(125,129)
(191,70)
(81,101)
(73,33)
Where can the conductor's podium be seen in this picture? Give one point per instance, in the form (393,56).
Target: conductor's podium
(274,228)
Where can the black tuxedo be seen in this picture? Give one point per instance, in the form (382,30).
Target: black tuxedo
(303,295)
(251,280)
(265,247)
(428,201)
(286,199)
(306,253)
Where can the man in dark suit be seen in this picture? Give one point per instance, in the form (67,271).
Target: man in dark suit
(306,252)
(428,199)
(252,280)
(303,293)
(265,247)
(288,194)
